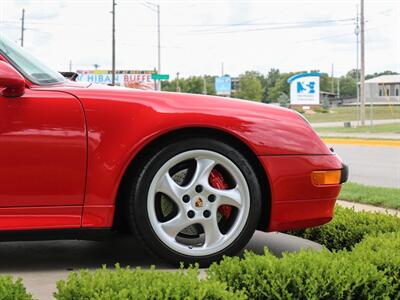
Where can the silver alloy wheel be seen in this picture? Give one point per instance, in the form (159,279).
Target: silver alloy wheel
(213,239)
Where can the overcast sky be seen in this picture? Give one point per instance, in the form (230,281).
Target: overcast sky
(197,36)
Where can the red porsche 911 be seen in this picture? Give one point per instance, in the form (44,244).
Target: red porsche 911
(192,176)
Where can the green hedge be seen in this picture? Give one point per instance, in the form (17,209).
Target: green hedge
(371,271)
(365,264)
(348,228)
(12,290)
(383,252)
(124,283)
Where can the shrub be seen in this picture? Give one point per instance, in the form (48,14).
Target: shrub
(322,110)
(364,265)
(124,283)
(12,290)
(349,228)
(383,252)
(303,275)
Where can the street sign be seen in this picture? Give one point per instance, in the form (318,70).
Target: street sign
(156,76)
(223,85)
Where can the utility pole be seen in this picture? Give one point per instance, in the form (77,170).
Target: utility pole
(70,65)
(222,69)
(113,43)
(362,75)
(22,27)
(159,45)
(178,88)
(357,32)
(332,82)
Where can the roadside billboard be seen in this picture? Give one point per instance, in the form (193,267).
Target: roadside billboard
(223,85)
(304,89)
(138,79)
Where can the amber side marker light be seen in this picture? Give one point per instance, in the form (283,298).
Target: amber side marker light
(326,177)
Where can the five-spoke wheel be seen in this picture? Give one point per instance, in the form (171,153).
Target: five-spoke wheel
(198,201)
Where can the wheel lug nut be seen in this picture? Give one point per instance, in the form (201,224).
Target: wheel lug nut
(199,188)
(186,198)
(206,214)
(190,214)
(211,198)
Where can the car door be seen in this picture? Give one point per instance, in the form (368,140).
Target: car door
(42,155)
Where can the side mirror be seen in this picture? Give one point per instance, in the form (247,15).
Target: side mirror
(12,84)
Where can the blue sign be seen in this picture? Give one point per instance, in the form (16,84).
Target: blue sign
(304,89)
(223,85)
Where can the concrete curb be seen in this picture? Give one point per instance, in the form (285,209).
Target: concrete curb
(368,208)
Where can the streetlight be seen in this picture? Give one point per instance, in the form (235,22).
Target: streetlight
(362,75)
(113,43)
(357,32)
(156,9)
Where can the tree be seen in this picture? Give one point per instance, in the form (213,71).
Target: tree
(353,74)
(348,86)
(270,81)
(210,83)
(325,83)
(250,87)
(192,85)
(283,100)
(281,86)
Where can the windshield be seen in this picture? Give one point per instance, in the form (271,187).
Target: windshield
(28,65)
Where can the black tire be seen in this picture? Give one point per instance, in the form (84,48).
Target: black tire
(138,215)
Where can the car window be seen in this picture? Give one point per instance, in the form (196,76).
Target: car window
(27,64)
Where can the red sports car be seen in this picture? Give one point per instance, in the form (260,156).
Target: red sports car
(192,176)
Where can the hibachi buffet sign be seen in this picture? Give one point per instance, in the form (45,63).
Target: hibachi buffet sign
(139,79)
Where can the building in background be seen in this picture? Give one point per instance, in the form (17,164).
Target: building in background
(383,89)
(138,79)
(235,85)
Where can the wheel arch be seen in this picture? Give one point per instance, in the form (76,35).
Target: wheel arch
(189,132)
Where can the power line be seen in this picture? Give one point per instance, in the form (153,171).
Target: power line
(272,24)
(275,27)
(241,24)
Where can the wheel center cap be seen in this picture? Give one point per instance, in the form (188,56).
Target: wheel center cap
(198,202)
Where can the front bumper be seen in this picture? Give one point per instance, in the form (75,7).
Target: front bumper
(295,201)
(345,173)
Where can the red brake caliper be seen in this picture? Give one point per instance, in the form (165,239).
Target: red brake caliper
(217,181)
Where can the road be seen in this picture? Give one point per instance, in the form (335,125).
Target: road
(372,165)
(367,122)
(42,264)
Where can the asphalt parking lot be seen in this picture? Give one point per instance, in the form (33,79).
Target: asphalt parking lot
(42,264)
